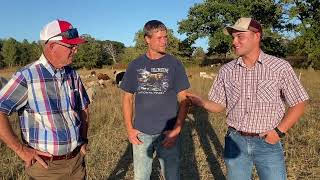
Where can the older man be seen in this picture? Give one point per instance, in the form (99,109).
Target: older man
(52,106)
(254,89)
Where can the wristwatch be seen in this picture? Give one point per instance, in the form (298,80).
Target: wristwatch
(280,134)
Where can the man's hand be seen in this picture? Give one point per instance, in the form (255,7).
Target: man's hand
(30,156)
(133,136)
(170,139)
(84,149)
(270,136)
(195,100)
(210,106)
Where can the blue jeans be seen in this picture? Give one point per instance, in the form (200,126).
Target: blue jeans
(143,157)
(242,152)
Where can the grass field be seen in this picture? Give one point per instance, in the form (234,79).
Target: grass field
(202,137)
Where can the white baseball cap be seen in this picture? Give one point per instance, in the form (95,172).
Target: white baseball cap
(59,30)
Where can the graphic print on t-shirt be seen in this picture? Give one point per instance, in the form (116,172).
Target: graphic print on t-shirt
(154,82)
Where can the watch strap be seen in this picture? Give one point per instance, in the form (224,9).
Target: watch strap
(280,134)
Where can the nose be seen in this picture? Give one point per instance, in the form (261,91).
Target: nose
(234,41)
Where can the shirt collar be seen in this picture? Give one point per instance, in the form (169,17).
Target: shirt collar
(53,71)
(240,62)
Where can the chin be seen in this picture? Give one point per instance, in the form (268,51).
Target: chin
(238,53)
(162,51)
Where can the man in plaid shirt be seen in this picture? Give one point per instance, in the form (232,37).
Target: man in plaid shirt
(253,89)
(52,105)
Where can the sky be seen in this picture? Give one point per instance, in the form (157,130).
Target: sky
(116,20)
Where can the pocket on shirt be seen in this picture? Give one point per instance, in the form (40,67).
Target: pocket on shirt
(233,92)
(267,91)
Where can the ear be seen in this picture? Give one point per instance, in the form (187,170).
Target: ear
(258,35)
(147,39)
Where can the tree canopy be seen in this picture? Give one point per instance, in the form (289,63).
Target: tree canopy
(210,17)
(289,26)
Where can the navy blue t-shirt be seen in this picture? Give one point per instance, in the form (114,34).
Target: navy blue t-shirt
(155,84)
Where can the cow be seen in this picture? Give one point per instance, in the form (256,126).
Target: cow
(103,76)
(118,76)
(93,73)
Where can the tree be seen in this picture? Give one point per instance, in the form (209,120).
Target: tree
(208,19)
(9,51)
(140,44)
(302,19)
(113,49)
(35,51)
(89,55)
(199,55)
(24,49)
(274,46)
(174,46)
(129,54)
(2,64)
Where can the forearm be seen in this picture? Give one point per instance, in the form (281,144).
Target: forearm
(182,114)
(84,115)
(212,106)
(292,116)
(183,110)
(8,136)
(127,111)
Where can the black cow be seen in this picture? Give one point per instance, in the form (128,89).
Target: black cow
(118,76)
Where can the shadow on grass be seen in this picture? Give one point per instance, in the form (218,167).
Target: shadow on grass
(123,165)
(120,171)
(199,124)
(207,136)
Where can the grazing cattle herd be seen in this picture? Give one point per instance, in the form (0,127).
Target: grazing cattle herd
(102,80)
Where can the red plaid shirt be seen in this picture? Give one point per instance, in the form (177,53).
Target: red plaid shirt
(255,97)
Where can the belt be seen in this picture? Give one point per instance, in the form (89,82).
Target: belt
(245,133)
(70,155)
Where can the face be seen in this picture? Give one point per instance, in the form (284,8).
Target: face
(63,53)
(157,43)
(245,42)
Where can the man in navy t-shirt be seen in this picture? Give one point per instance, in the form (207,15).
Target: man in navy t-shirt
(159,83)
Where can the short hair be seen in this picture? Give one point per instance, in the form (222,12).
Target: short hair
(153,25)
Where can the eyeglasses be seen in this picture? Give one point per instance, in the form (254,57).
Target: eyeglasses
(71,47)
(70,34)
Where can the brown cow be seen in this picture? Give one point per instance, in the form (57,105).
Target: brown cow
(103,76)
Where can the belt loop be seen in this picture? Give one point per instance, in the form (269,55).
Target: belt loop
(51,158)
